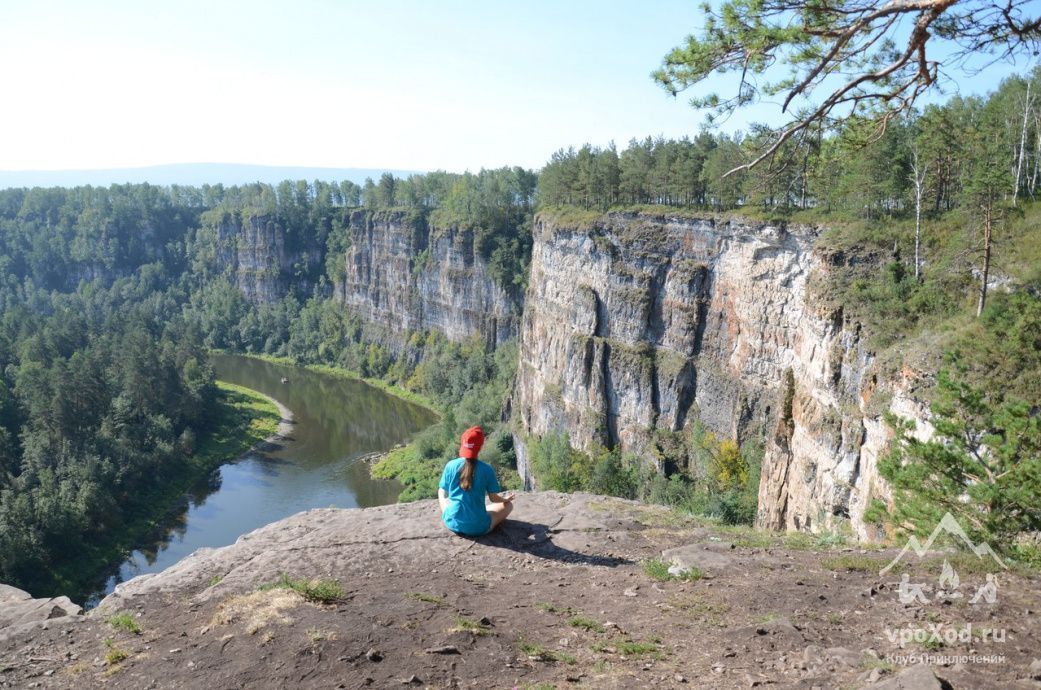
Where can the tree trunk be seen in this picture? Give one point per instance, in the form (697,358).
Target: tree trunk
(918,179)
(985,273)
(1022,146)
(1037,154)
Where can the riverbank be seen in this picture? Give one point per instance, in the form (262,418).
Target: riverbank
(339,372)
(242,419)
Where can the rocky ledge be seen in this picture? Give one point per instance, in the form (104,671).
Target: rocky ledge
(576,591)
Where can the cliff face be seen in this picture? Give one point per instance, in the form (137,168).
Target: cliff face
(636,323)
(403,276)
(254,252)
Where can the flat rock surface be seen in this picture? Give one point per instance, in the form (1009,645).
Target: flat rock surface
(562,596)
(19,612)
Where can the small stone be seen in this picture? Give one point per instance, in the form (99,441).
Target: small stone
(412,680)
(175,650)
(1035,669)
(875,674)
(631,592)
(444,649)
(374,654)
(49,672)
(679,678)
(564,642)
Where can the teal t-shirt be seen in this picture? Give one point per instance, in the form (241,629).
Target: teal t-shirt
(466,513)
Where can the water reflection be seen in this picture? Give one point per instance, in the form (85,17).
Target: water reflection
(337,422)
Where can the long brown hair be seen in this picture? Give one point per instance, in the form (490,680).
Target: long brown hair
(466,478)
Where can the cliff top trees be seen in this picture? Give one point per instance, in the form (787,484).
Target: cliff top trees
(862,57)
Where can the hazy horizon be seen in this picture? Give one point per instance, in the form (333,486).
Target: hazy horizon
(190,174)
(406,85)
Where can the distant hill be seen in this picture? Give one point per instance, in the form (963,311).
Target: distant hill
(194,174)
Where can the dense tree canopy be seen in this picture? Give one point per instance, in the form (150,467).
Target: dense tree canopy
(972,149)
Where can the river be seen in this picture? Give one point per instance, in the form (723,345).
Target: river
(336,422)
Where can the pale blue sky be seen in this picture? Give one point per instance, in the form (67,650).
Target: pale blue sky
(384,84)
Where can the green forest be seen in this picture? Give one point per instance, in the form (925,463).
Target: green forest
(111,299)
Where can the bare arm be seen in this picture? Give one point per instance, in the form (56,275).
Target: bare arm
(506,497)
(442,498)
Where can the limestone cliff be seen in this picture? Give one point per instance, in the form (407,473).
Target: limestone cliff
(403,275)
(637,322)
(256,254)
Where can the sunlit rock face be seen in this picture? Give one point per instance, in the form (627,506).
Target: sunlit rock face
(255,254)
(637,322)
(403,277)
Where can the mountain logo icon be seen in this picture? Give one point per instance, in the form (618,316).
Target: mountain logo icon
(948,525)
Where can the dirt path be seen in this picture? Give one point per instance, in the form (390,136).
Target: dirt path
(565,596)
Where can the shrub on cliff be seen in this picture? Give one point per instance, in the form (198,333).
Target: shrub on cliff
(983,465)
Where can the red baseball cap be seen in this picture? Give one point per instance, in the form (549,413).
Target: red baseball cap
(473,439)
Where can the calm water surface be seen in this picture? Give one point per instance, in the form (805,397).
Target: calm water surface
(337,421)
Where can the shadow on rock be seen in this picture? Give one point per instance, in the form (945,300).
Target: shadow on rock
(537,540)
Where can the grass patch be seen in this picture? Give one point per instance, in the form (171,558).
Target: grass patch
(538,652)
(319,591)
(963,563)
(471,626)
(749,538)
(316,635)
(114,655)
(215,580)
(658,570)
(632,648)
(587,624)
(428,598)
(124,621)
(870,662)
(696,605)
(651,647)
(857,563)
(258,610)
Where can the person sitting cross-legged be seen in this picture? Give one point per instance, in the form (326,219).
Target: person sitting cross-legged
(464,484)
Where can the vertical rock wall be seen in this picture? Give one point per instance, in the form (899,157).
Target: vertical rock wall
(640,322)
(402,277)
(253,250)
